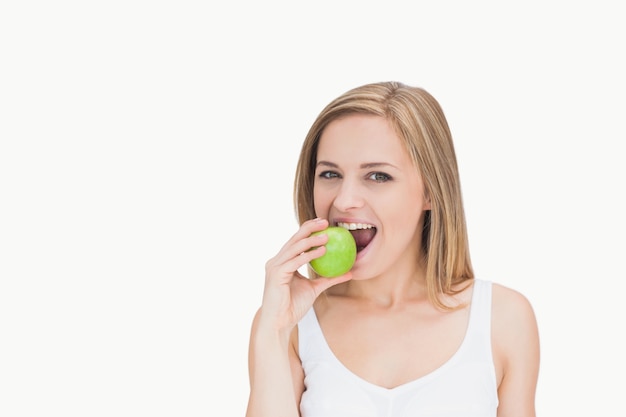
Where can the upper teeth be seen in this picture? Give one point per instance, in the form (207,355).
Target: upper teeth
(354,226)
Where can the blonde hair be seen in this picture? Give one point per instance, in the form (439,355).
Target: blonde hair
(420,123)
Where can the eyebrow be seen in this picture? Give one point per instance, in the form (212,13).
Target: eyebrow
(367,165)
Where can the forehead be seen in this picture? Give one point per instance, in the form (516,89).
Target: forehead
(362,138)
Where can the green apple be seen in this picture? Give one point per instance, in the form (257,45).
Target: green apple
(340,253)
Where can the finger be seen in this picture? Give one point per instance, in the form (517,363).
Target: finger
(302,243)
(282,266)
(305,230)
(321,284)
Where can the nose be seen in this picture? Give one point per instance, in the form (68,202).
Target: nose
(349,196)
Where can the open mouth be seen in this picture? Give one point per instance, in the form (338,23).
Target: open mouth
(363,233)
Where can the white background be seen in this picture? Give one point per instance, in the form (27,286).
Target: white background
(147,152)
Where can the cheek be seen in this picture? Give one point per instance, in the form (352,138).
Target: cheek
(320,202)
(405,207)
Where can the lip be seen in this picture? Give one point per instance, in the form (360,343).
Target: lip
(363,252)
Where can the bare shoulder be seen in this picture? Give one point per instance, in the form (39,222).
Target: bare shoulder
(510,304)
(513,316)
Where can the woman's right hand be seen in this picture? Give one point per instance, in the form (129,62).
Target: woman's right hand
(288,295)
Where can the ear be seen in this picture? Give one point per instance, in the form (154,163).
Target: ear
(426,206)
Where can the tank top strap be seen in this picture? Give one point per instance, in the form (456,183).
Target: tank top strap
(310,334)
(479,326)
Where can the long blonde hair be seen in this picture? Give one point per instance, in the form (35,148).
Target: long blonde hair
(420,123)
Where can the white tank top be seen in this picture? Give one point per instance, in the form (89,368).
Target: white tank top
(464,386)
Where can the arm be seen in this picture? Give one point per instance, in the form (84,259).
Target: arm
(275,390)
(276,375)
(516,352)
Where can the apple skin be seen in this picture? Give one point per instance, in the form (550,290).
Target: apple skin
(340,253)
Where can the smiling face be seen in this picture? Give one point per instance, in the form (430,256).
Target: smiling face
(365,179)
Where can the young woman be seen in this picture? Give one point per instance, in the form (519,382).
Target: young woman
(408,331)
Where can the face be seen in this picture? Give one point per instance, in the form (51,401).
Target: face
(365,180)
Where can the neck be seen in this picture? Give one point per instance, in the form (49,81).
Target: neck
(386,291)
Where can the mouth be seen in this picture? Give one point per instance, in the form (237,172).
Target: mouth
(363,233)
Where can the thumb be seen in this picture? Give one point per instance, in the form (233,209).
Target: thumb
(321,284)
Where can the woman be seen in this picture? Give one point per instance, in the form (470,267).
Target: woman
(408,331)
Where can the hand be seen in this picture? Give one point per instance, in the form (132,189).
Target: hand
(288,295)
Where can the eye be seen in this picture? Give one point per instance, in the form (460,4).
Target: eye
(379,177)
(329,175)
